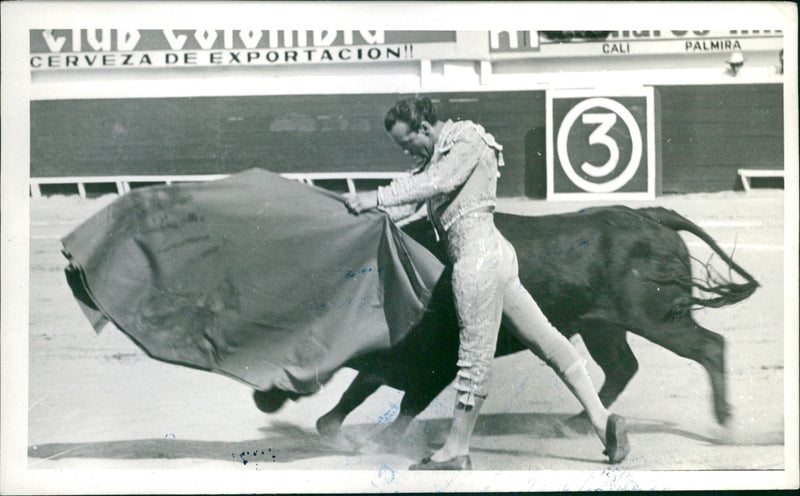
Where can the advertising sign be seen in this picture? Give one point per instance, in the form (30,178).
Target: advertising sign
(537,44)
(108,48)
(112,47)
(601,144)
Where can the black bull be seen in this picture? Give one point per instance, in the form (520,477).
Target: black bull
(600,273)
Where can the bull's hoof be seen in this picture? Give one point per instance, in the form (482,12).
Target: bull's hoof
(580,423)
(724,414)
(329,426)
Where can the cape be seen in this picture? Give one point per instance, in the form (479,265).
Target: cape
(266,280)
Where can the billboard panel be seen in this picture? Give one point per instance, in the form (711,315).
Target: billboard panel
(542,44)
(112,48)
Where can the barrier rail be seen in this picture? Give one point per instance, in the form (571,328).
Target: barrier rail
(123,183)
(746,174)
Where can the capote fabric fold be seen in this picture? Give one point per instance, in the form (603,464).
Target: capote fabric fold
(260,278)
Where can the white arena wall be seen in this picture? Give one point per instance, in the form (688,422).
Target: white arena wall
(625,60)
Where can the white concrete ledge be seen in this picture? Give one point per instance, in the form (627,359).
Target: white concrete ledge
(746,174)
(123,182)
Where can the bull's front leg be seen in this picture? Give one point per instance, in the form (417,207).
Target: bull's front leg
(359,390)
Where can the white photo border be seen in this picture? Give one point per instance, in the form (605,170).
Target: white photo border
(19,18)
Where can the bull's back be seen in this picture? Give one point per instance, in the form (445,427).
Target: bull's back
(572,263)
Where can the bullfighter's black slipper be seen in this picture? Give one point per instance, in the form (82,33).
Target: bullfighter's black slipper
(617,445)
(462,462)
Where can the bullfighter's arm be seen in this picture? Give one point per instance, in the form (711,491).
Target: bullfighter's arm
(405,211)
(443,176)
(405,214)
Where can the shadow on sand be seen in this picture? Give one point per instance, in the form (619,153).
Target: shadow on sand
(284,442)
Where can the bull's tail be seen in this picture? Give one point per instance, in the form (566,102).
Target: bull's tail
(724,291)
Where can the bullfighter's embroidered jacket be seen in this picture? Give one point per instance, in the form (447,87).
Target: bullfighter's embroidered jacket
(460,177)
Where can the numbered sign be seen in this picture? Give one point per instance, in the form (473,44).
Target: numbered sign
(601,144)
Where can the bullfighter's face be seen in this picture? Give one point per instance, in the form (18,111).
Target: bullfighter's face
(419,144)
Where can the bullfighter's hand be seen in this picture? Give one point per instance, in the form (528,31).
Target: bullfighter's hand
(360,202)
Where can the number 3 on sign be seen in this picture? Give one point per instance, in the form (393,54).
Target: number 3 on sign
(600,136)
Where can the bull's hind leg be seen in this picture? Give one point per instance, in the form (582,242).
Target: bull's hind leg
(686,338)
(359,390)
(648,308)
(609,347)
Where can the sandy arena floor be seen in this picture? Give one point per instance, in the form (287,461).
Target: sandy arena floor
(96,402)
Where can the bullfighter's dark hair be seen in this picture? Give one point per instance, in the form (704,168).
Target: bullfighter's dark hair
(412,111)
